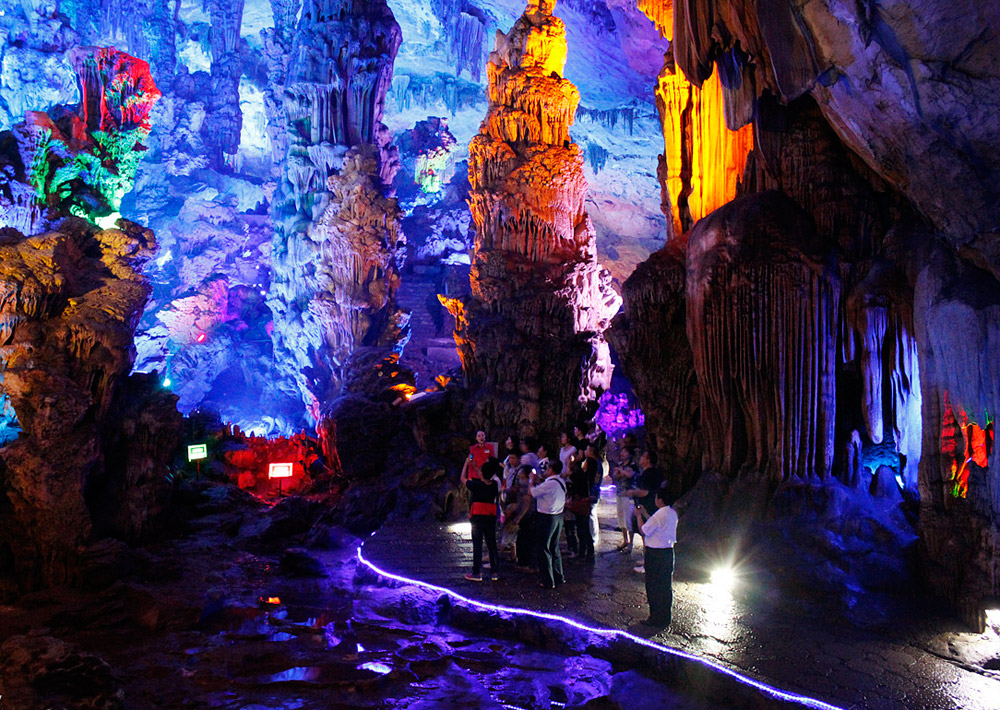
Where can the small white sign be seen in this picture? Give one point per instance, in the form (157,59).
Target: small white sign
(196,452)
(279,470)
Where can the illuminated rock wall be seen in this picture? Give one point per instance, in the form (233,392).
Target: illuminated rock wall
(338,246)
(881,293)
(531,336)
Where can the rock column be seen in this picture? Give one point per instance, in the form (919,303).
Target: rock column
(531,336)
(338,246)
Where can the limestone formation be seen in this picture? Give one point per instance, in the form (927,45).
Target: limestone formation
(90,460)
(650,337)
(840,326)
(81,161)
(531,336)
(338,245)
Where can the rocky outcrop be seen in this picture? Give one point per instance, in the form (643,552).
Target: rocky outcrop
(531,336)
(650,337)
(338,246)
(839,331)
(91,457)
(79,469)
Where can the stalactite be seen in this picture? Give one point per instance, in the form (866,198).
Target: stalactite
(762,326)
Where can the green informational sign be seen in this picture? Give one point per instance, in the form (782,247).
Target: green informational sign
(196,452)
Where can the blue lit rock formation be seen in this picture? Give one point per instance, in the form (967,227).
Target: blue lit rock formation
(531,336)
(337,246)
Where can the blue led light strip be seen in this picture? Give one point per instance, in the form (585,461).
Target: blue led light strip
(746,680)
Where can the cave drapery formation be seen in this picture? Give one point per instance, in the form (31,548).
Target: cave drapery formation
(843,308)
(338,244)
(531,336)
(90,460)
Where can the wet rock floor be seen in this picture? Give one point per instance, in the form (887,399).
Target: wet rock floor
(896,655)
(216,617)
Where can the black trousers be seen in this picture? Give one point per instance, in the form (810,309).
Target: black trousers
(659,565)
(572,544)
(484,526)
(583,532)
(525,545)
(548,528)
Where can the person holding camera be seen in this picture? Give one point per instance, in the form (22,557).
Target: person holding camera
(550,498)
(660,535)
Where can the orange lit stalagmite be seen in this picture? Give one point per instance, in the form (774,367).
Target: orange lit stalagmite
(703,160)
(531,336)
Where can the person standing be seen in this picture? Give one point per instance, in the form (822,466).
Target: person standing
(550,499)
(479,453)
(624,477)
(594,469)
(566,449)
(484,492)
(644,494)
(660,535)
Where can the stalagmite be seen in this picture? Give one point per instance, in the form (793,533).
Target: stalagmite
(531,336)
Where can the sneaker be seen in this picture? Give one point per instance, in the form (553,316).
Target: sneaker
(641,569)
(474,577)
(495,577)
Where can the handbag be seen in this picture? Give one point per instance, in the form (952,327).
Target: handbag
(579,506)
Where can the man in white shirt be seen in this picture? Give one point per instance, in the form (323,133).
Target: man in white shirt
(550,500)
(660,536)
(566,450)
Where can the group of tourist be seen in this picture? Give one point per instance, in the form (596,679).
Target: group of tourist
(535,495)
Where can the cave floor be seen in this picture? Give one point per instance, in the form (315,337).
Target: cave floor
(883,653)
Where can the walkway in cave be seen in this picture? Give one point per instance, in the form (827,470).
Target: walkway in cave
(898,658)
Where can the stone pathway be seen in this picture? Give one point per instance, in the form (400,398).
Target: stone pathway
(788,639)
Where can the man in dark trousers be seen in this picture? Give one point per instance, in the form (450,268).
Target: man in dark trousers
(660,535)
(550,498)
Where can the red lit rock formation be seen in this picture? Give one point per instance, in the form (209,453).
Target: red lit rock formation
(337,246)
(79,162)
(531,335)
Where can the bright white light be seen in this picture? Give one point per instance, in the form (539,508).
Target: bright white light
(993,619)
(461,528)
(379,668)
(724,577)
(166,381)
(109,221)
